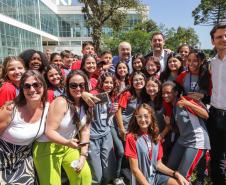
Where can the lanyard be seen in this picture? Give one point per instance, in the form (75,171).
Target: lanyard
(149,145)
(192,90)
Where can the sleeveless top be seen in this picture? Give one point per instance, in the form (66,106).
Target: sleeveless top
(20,132)
(67,128)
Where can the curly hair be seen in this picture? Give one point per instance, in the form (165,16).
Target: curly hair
(101,80)
(153,129)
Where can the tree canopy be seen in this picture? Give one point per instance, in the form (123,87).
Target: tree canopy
(100,12)
(210,12)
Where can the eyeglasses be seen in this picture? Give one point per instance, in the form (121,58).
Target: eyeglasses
(75,85)
(35,85)
(139,117)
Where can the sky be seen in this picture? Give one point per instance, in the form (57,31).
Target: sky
(175,13)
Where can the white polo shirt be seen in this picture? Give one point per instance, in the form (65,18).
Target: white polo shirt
(218,75)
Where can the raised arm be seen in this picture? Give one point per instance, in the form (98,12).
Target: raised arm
(199,110)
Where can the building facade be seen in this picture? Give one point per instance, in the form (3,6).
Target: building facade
(45,24)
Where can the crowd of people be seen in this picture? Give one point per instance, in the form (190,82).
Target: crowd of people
(140,119)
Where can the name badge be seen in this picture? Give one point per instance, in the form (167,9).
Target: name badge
(103,116)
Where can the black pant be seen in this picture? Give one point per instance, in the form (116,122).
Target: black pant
(216,126)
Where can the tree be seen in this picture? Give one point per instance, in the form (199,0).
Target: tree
(210,12)
(138,37)
(174,38)
(100,12)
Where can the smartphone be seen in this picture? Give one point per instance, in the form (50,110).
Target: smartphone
(103,97)
(83,144)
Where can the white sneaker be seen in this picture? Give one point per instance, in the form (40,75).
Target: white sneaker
(119,181)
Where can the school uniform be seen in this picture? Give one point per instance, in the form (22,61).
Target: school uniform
(147,153)
(101,158)
(192,143)
(8,92)
(52,93)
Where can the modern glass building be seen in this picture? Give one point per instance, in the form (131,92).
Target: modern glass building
(42,24)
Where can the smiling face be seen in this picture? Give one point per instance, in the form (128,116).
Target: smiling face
(157,42)
(108,84)
(90,65)
(15,70)
(88,49)
(184,51)
(124,51)
(137,64)
(193,63)
(168,94)
(122,70)
(151,67)
(58,61)
(54,77)
(35,62)
(76,86)
(138,82)
(152,88)
(219,39)
(33,89)
(174,64)
(107,58)
(143,119)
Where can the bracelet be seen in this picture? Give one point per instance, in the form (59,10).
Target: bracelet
(174,174)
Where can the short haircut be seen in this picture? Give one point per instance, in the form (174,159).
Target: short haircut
(86,43)
(106,52)
(215,28)
(66,53)
(157,33)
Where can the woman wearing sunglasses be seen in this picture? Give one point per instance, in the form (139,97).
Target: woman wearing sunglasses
(67,136)
(19,127)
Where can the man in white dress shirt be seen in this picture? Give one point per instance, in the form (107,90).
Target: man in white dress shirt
(217,116)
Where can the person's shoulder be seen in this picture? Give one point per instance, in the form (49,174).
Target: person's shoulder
(8,86)
(60,101)
(130,137)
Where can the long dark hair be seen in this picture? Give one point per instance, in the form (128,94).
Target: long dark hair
(70,97)
(101,80)
(166,73)
(117,75)
(132,89)
(204,75)
(54,66)
(138,56)
(27,55)
(158,99)
(20,99)
(153,129)
(84,58)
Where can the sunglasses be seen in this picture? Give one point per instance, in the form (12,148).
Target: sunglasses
(75,85)
(35,85)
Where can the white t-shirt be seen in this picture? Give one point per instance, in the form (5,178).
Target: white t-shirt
(20,132)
